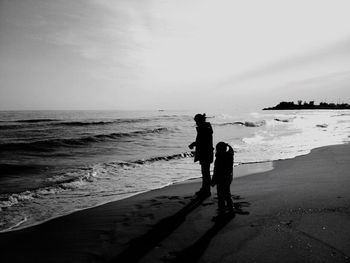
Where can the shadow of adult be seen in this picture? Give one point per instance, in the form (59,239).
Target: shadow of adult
(140,246)
(196,250)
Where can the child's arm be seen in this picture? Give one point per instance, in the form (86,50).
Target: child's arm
(230,156)
(214,178)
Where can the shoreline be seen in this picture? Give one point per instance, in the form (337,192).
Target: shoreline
(305,194)
(242,169)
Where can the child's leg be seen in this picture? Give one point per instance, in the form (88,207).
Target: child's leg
(221,197)
(227,196)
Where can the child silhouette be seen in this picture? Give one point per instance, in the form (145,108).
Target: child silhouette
(222,177)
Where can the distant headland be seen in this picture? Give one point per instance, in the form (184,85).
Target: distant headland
(290,105)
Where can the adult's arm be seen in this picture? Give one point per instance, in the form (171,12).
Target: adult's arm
(192,145)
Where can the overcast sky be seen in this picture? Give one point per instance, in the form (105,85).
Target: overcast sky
(162,54)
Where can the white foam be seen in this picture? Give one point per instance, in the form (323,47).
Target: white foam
(282,140)
(13,199)
(253,140)
(25,219)
(48,191)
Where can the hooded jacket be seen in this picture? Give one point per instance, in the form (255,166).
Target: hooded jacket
(223,167)
(204,143)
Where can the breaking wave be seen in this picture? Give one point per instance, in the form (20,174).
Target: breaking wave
(57,122)
(67,182)
(246,123)
(92,123)
(48,145)
(154,159)
(283,120)
(79,123)
(37,120)
(324,125)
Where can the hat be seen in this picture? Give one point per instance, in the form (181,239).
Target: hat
(199,117)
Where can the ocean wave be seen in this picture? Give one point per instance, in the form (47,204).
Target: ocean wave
(341,114)
(9,127)
(17,124)
(167,158)
(283,120)
(49,145)
(57,122)
(13,199)
(153,159)
(17,168)
(80,123)
(36,120)
(176,116)
(324,125)
(93,123)
(82,176)
(246,123)
(253,140)
(56,186)
(17,224)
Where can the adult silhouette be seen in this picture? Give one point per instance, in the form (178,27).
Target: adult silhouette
(204,151)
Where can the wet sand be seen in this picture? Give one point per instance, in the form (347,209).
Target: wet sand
(297,212)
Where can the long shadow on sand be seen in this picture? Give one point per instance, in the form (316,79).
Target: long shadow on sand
(138,247)
(196,250)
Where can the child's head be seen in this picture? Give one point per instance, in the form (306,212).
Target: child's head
(221,147)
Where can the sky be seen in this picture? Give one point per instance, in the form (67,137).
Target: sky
(162,54)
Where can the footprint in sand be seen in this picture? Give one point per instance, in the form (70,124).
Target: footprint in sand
(286,223)
(236,197)
(162,197)
(241,204)
(138,206)
(207,203)
(106,235)
(147,219)
(156,204)
(125,224)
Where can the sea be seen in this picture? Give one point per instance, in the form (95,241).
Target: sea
(53,163)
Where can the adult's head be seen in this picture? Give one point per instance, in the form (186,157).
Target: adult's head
(199,118)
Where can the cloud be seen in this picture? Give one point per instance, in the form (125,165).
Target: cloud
(335,55)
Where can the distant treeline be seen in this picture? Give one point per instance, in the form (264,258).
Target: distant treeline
(290,105)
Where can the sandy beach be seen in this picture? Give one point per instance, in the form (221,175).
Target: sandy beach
(297,212)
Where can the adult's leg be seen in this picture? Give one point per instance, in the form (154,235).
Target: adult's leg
(205,167)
